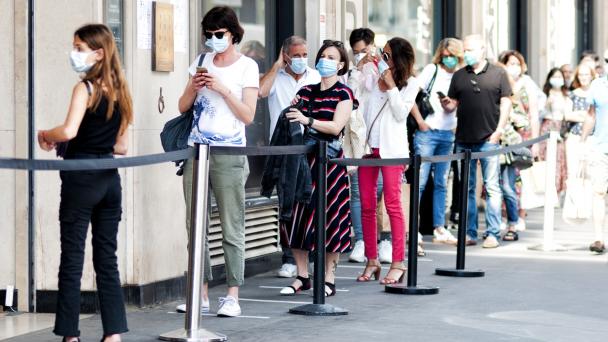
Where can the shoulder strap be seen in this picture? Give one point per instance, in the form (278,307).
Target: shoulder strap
(432,83)
(369,131)
(88,85)
(201,58)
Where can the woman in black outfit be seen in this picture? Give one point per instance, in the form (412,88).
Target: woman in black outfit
(95,128)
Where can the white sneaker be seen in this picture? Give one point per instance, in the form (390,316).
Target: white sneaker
(229,307)
(358,253)
(490,242)
(287,271)
(385,252)
(420,239)
(521,225)
(441,235)
(204,307)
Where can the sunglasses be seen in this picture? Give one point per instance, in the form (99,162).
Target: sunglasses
(476,88)
(336,43)
(217,34)
(385,55)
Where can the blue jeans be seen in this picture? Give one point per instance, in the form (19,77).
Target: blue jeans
(355,204)
(490,168)
(507,185)
(435,143)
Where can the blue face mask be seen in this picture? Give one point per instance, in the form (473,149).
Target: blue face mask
(216,44)
(382,66)
(470,59)
(298,65)
(327,67)
(449,61)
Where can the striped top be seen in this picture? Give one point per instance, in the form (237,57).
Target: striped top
(325,102)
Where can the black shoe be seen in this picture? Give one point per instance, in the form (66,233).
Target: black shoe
(330,289)
(290,290)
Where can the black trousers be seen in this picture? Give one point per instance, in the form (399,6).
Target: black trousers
(95,197)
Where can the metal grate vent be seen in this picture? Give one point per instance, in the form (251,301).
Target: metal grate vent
(261,233)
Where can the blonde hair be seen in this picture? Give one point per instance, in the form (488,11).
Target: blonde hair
(107,73)
(453,45)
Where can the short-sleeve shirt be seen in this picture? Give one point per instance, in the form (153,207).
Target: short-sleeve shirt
(214,122)
(325,102)
(598,97)
(284,90)
(478,98)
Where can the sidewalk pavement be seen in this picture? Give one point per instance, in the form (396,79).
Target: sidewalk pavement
(525,296)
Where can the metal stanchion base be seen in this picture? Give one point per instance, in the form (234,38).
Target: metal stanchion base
(200,335)
(454,272)
(318,310)
(411,290)
(549,247)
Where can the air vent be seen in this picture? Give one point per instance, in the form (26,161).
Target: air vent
(261,233)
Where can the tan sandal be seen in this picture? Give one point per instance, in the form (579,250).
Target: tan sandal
(390,280)
(371,269)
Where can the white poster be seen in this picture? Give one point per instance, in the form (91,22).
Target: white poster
(144,24)
(180,25)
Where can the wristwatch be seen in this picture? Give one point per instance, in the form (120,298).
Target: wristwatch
(310,121)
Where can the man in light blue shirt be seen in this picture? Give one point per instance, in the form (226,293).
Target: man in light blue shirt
(597,122)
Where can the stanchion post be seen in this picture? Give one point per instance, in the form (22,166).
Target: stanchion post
(319,308)
(459,271)
(411,288)
(549,244)
(196,261)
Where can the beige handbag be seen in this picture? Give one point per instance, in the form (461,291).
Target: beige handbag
(579,194)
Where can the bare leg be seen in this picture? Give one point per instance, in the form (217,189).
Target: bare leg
(599,211)
(331,265)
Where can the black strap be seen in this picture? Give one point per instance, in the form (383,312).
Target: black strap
(88,85)
(201,59)
(432,83)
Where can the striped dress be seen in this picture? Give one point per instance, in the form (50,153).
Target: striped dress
(299,232)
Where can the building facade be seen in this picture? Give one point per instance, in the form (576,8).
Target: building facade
(152,237)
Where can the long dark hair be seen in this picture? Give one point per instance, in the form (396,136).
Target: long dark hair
(107,73)
(403,57)
(547,87)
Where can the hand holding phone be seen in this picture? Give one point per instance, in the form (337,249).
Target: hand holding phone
(201,70)
(441,95)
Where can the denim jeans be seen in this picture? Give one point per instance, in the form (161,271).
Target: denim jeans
(507,185)
(355,204)
(490,168)
(435,143)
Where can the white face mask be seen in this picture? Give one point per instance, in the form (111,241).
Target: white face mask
(359,57)
(514,71)
(78,60)
(556,82)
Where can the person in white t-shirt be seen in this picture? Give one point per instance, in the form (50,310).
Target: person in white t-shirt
(288,74)
(435,135)
(223,94)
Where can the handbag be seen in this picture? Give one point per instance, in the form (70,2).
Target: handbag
(312,137)
(520,158)
(423,102)
(578,199)
(175,133)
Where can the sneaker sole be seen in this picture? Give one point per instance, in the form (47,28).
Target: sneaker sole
(451,243)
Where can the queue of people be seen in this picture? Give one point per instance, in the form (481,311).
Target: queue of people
(476,105)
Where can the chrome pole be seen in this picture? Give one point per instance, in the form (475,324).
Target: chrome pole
(196,262)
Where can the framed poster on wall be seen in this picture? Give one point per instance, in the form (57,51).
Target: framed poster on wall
(162,37)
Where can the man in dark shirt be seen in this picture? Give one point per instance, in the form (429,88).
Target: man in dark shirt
(481,91)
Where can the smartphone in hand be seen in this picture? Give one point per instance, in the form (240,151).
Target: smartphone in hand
(441,95)
(201,70)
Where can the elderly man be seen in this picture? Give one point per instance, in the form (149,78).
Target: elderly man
(481,92)
(288,74)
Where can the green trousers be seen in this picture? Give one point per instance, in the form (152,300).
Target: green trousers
(227,177)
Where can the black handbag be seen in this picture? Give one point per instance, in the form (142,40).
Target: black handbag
(520,158)
(175,133)
(423,102)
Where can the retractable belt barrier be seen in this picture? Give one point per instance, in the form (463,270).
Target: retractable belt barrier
(200,154)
